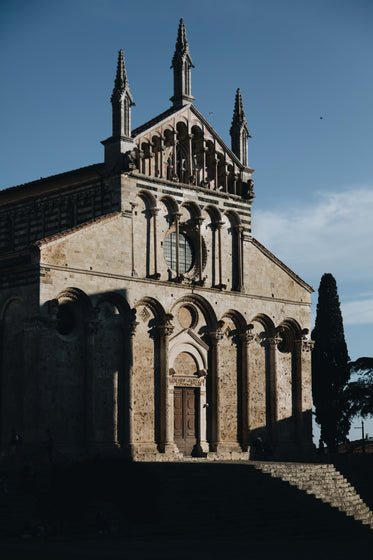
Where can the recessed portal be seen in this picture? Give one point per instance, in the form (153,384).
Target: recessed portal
(186,418)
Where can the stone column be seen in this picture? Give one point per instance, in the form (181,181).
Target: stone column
(92,327)
(153,213)
(200,250)
(235,177)
(141,157)
(204,150)
(246,339)
(303,414)
(239,230)
(190,160)
(161,150)
(177,216)
(225,173)
(166,391)
(219,226)
(203,446)
(216,177)
(150,159)
(273,343)
(129,397)
(174,168)
(133,206)
(215,337)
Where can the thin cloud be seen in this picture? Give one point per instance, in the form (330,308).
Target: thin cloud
(357,312)
(333,235)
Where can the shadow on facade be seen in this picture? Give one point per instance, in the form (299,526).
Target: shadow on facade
(96,374)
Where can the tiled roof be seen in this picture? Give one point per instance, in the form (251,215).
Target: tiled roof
(94,167)
(99,220)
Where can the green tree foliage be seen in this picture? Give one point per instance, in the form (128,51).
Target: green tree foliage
(359,393)
(330,371)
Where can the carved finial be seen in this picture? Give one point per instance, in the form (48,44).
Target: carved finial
(121,100)
(182,63)
(239,131)
(121,80)
(181,47)
(238,113)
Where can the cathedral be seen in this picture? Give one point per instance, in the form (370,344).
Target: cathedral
(138,313)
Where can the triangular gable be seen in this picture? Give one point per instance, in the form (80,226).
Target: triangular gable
(280,264)
(194,117)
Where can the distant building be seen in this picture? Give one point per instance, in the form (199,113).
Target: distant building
(136,309)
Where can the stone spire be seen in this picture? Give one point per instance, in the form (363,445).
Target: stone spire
(120,142)
(182,64)
(121,100)
(239,131)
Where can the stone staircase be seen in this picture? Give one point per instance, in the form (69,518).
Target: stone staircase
(325,483)
(244,502)
(203,500)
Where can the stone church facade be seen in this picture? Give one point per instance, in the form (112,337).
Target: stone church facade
(137,311)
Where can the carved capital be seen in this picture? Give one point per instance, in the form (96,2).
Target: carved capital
(167,328)
(246,337)
(153,211)
(176,216)
(306,345)
(217,335)
(274,341)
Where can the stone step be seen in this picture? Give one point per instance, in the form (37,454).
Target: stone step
(325,483)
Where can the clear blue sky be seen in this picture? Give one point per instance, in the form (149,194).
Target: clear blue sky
(294,60)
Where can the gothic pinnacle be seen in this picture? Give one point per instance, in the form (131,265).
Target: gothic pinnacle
(239,131)
(121,81)
(182,46)
(239,117)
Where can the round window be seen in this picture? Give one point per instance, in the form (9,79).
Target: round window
(185,252)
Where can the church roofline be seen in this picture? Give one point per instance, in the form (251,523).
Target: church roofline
(156,120)
(279,263)
(225,146)
(70,231)
(95,168)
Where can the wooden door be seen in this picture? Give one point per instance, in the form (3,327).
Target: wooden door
(185,418)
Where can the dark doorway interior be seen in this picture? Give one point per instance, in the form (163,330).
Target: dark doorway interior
(186,418)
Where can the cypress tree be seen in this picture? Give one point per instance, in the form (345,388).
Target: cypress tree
(330,371)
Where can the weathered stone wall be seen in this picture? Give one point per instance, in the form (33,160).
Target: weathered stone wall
(230,385)
(145,370)
(258,373)
(105,392)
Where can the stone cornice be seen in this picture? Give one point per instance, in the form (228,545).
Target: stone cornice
(184,287)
